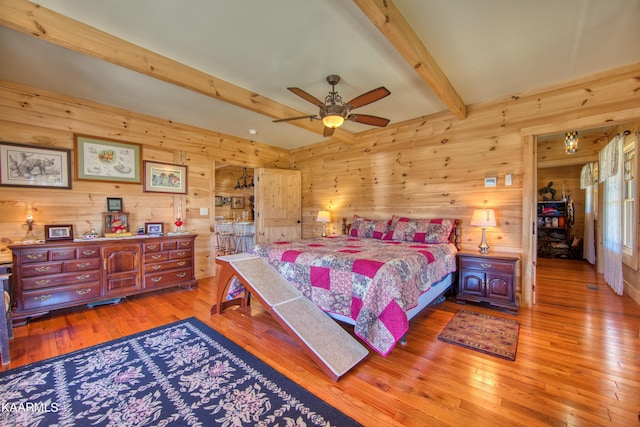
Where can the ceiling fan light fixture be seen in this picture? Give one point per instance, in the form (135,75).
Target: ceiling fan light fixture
(333,120)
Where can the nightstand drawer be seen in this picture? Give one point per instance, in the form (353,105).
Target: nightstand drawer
(496,266)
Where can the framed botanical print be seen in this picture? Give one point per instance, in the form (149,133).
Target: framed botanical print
(101,159)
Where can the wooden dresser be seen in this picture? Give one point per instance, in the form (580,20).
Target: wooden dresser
(53,275)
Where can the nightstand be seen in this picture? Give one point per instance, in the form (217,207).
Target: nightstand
(487,278)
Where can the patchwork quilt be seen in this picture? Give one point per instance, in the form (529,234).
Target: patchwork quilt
(371,281)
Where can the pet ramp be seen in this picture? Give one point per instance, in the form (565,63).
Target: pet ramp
(332,348)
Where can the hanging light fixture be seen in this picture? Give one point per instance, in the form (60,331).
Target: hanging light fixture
(571,142)
(244,179)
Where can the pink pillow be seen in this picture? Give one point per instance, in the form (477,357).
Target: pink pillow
(369,228)
(423,230)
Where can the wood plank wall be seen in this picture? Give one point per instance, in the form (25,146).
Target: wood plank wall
(435,166)
(37,117)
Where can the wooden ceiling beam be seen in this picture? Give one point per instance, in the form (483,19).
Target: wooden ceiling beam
(37,21)
(388,19)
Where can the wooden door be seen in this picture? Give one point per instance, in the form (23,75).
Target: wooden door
(278,205)
(121,269)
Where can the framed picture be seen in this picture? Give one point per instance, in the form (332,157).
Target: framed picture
(154,228)
(31,166)
(58,232)
(491,181)
(100,159)
(237,203)
(218,200)
(114,204)
(164,178)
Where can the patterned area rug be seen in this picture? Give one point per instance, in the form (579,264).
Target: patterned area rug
(482,332)
(182,374)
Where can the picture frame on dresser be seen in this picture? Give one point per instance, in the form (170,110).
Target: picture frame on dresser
(31,166)
(108,160)
(154,228)
(164,178)
(58,232)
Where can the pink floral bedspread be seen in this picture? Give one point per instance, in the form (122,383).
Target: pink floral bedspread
(374,282)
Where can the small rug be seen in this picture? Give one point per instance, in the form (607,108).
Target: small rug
(181,374)
(482,332)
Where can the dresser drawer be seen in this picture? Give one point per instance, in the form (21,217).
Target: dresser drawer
(180,254)
(156,257)
(60,296)
(35,255)
(55,280)
(61,254)
(173,277)
(82,265)
(496,266)
(167,265)
(41,269)
(88,252)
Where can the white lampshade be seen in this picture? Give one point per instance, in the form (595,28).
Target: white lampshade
(323,216)
(483,218)
(333,120)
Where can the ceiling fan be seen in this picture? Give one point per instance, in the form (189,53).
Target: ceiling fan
(333,111)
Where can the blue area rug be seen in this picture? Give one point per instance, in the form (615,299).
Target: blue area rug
(182,374)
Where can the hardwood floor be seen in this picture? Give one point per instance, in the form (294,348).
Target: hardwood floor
(578,359)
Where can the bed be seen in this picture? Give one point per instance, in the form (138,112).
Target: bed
(377,278)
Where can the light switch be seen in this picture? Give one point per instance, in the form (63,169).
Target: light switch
(507,179)
(204,211)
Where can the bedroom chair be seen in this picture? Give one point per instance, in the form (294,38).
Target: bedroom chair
(6,324)
(244,236)
(225,238)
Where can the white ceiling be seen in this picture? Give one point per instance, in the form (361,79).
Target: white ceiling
(487,49)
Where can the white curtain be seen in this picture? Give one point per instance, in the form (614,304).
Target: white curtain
(611,159)
(587,183)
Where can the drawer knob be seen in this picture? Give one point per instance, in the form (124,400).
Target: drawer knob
(43,298)
(485,265)
(156,256)
(43,269)
(156,267)
(181,275)
(83,277)
(152,246)
(42,282)
(35,256)
(181,253)
(88,252)
(83,291)
(156,279)
(184,244)
(82,265)
(181,263)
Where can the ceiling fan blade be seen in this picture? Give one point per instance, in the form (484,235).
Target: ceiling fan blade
(328,131)
(368,120)
(369,97)
(304,95)
(296,118)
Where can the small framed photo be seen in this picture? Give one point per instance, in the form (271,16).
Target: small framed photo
(58,232)
(218,200)
(164,178)
(491,181)
(114,204)
(237,203)
(155,228)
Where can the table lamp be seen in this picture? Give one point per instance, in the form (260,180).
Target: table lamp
(324,217)
(483,218)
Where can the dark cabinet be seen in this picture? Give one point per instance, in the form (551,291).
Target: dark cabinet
(554,229)
(60,274)
(487,278)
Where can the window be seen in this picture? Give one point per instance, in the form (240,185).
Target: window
(629,200)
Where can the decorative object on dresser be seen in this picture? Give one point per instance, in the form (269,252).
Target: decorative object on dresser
(102,159)
(31,166)
(115,224)
(30,223)
(324,217)
(165,178)
(483,218)
(61,274)
(154,228)
(487,278)
(58,232)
